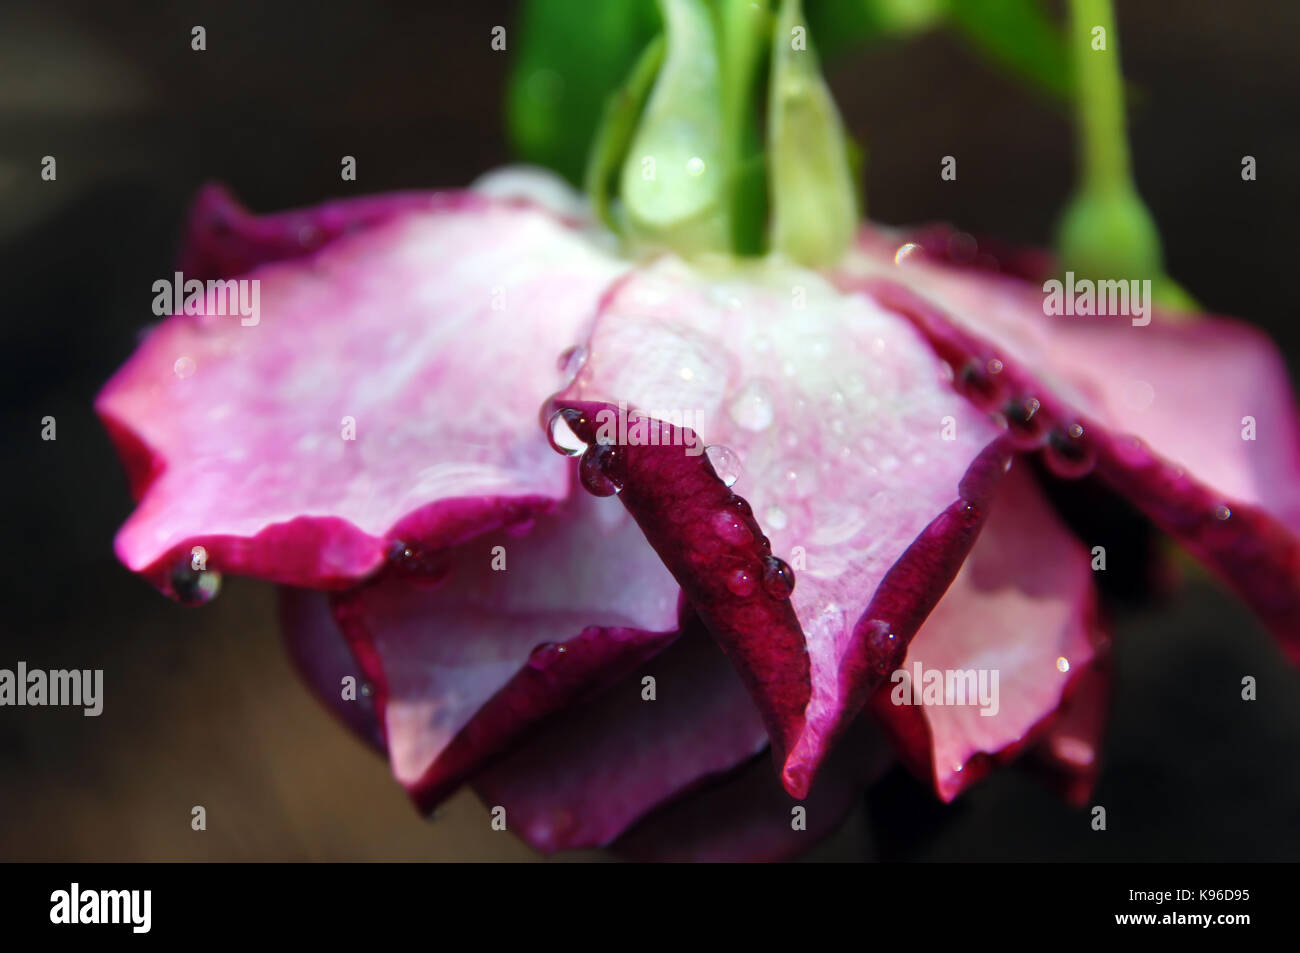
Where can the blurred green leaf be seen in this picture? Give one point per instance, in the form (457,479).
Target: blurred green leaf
(570,56)
(840,25)
(1019,36)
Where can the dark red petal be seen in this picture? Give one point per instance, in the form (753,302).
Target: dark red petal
(223,238)
(463,666)
(750,817)
(322,656)
(860,464)
(430,340)
(598,768)
(1244,524)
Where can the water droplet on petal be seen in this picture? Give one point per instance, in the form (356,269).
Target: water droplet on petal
(906,251)
(1070,453)
(571,361)
(741,582)
(1062,664)
(194,587)
(775,518)
(1221,512)
(561,436)
(725,463)
(778,578)
(600,469)
(1027,424)
(731,528)
(751,408)
(882,646)
(545,655)
(981,386)
(183,367)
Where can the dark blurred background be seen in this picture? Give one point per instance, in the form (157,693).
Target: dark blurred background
(202,706)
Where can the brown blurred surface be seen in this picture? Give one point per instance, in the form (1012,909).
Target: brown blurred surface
(201,705)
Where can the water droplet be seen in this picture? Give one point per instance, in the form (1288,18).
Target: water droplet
(194,587)
(1221,512)
(571,361)
(1027,425)
(725,463)
(741,582)
(994,366)
(1062,664)
(398,551)
(1070,453)
(560,433)
(979,386)
(183,367)
(686,374)
(545,655)
(695,165)
(775,518)
(906,251)
(600,469)
(751,408)
(778,578)
(731,528)
(882,646)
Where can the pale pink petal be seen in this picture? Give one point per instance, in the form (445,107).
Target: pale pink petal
(861,465)
(432,338)
(1016,625)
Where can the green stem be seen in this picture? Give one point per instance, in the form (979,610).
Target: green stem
(1103,141)
(1107,232)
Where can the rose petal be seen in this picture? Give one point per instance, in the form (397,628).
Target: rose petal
(1021,610)
(598,768)
(1240,518)
(323,658)
(222,238)
(434,336)
(514,629)
(854,448)
(749,817)
(1068,753)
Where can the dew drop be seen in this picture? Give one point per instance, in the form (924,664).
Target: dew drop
(980,385)
(751,408)
(778,578)
(731,528)
(775,517)
(1070,453)
(600,469)
(183,367)
(906,251)
(725,463)
(194,587)
(882,646)
(571,361)
(1221,512)
(561,436)
(1062,664)
(545,655)
(741,582)
(695,165)
(1028,426)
